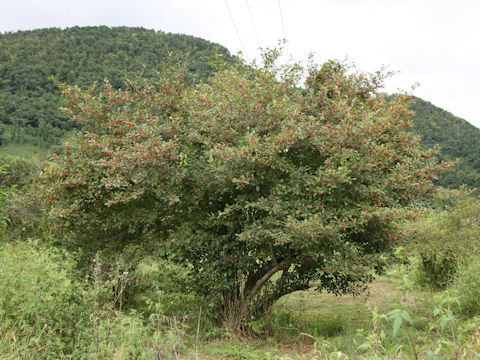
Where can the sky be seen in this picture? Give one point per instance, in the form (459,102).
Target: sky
(435,43)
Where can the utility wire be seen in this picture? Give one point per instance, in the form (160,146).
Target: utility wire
(283,28)
(236,30)
(253,24)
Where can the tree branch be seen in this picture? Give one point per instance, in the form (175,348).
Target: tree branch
(279,266)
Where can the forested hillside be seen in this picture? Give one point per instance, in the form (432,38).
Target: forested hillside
(456,139)
(29,101)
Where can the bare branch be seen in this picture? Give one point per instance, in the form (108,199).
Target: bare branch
(279,266)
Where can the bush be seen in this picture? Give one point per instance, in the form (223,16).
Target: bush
(40,299)
(445,235)
(246,177)
(439,269)
(155,276)
(18,172)
(134,278)
(24,202)
(112,333)
(25,210)
(467,286)
(48,312)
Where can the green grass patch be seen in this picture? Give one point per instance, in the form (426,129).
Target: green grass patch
(26,151)
(326,315)
(238,350)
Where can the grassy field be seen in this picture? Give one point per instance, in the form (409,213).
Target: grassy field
(26,151)
(310,325)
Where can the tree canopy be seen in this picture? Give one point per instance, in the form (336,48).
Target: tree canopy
(259,186)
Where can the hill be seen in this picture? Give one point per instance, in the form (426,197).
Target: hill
(456,139)
(29,101)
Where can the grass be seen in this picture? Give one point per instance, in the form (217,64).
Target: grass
(240,350)
(311,325)
(326,315)
(26,151)
(332,322)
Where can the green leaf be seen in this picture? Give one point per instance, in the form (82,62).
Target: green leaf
(406,316)
(396,325)
(443,322)
(450,344)
(395,349)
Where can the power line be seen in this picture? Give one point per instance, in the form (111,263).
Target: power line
(253,24)
(283,28)
(236,30)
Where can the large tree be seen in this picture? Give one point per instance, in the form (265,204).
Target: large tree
(260,186)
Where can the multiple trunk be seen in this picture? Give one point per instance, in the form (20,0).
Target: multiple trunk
(255,295)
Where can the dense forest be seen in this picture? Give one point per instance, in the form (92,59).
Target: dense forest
(456,139)
(29,99)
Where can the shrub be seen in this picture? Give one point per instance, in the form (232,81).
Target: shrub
(25,210)
(19,171)
(113,333)
(467,286)
(261,186)
(445,235)
(157,276)
(24,201)
(39,297)
(134,278)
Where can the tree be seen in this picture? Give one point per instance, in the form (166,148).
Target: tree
(259,186)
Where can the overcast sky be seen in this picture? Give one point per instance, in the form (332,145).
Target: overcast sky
(435,43)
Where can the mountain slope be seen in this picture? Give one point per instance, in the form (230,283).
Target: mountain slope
(29,101)
(456,139)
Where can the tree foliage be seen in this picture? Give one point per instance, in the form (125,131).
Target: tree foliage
(259,186)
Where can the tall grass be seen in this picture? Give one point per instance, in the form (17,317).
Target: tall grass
(48,312)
